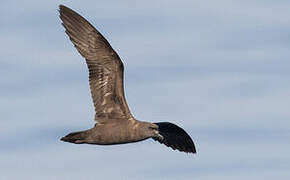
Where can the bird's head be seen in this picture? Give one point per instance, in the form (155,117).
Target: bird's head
(152,130)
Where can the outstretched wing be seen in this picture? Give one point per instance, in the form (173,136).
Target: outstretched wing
(175,137)
(105,66)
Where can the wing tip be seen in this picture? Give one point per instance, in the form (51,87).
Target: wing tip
(64,10)
(193,150)
(189,150)
(62,7)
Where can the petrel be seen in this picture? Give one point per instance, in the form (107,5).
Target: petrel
(115,124)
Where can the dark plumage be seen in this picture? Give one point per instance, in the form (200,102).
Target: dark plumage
(115,124)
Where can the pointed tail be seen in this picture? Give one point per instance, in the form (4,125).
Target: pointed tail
(75,137)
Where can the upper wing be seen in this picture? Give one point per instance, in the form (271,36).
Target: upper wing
(105,67)
(175,137)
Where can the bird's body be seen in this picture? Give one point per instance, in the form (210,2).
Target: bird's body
(115,124)
(117,131)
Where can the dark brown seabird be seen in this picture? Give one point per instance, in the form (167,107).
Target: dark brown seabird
(115,124)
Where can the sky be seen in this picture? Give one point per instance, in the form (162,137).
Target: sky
(218,69)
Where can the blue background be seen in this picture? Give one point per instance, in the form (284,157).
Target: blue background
(219,69)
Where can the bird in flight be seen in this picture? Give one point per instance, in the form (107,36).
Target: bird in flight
(115,124)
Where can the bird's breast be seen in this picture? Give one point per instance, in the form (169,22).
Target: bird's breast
(117,133)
